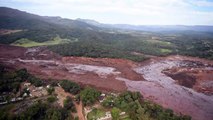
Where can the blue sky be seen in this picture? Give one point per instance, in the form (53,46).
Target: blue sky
(137,12)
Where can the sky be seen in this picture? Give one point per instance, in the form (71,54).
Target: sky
(136,12)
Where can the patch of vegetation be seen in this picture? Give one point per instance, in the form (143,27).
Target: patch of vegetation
(50,90)
(89,96)
(121,46)
(37,111)
(95,114)
(165,51)
(109,101)
(115,112)
(51,99)
(115,46)
(10,81)
(44,111)
(29,43)
(35,81)
(197,44)
(5,113)
(139,109)
(70,87)
(95,50)
(69,105)
(159,42)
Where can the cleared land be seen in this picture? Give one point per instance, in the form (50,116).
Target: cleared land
(7,32)
(29,43)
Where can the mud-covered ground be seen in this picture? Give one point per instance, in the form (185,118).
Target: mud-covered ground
(193,74)
(100,72)
(181,83)
(166,91)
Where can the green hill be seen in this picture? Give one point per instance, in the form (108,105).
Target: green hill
(96,40)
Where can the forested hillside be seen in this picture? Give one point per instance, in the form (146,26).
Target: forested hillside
(80,38)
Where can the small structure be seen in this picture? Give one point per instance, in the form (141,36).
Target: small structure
(27,84)
(114,94)
(13,100)
(106,117)
(102,97)
(25,95)
(48,86)
(37,91)
(122,113)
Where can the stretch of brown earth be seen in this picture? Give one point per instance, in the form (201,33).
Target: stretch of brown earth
(184,84)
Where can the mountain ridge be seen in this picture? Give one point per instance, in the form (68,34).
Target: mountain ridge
(156,28)
(93,24)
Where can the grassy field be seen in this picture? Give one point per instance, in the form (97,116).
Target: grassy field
(29,43)
(159,42)
(95,114)
(165,51)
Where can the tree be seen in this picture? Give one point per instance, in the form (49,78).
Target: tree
(69,86)
(50,90)
(69,105)
(35,81)
(23,73)
(53,114)
(51,99)
(36,111)
(115,112)
(89,96)
(108,102)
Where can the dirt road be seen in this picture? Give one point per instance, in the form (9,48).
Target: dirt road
(62,96)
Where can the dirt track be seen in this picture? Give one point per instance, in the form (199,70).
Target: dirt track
(62,96)
(118,75)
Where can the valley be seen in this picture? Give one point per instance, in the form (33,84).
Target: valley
(106,74)
(55,68)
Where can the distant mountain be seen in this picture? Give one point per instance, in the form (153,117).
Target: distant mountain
(16,19)
(164,27)
(91,22)
(41,28)
(156,28)
(12,18)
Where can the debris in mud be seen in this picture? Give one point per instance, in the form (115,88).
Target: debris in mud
(182,78)
(101,71)
(172,95)
(40,53)
(193,64)
(193,74)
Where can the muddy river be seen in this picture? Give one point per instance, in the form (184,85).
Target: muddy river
(163,90)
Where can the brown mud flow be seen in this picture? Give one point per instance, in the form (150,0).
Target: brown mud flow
(166,91)
(181,83)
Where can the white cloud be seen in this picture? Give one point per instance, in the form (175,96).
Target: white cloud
(124,11)
(202,3)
